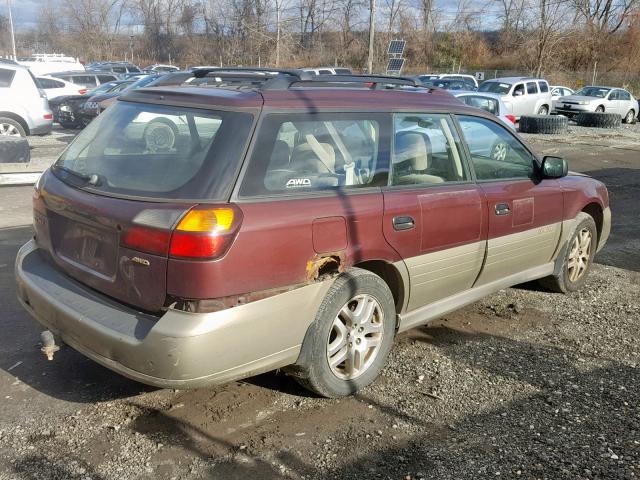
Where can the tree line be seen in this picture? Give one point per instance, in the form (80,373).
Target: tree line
(539,37)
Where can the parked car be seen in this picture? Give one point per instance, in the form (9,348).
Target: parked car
(521,95)
(328,71)
(88,79)
(489,102)
(468,79)
(99,102)
(288,227)
(159,68)
(121,69)
(73,112)
(45,64)
(56,87)
(560,91)
(446,84)
(599,99)
(24,109)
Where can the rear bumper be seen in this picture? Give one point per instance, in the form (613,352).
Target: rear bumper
(42,129)
(178,349)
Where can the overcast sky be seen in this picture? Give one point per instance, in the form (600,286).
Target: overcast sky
(25,12)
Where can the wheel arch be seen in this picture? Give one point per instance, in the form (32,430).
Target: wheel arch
(17,118)
(595,210)
(393,277)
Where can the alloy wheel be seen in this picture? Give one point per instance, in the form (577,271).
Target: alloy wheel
(355,337)
(579,255)
(9,130)
(629,117)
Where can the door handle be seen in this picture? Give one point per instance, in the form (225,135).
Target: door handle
(403,223)
(502,209)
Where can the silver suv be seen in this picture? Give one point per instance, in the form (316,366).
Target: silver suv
(521,95)
(24,108)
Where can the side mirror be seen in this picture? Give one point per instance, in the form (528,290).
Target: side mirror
(554,167)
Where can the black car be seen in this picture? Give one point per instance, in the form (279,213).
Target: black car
(447,83)
(67,110)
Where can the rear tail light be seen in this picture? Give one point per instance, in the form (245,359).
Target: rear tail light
(48,116)
(147,239)
(511,118)
(82,91)
(204,232)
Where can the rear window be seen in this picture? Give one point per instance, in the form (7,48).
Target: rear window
(304,153)
(495,87)
(158,151)
(6,77)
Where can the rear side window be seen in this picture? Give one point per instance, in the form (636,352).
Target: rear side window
(342,71)
(6,77)
(158,152)
(133,69)
(532,88)
(426,151)
(315,152)
(119,69)
(624,95)
(544,87)
(325,72)
(86,80)
(49,83)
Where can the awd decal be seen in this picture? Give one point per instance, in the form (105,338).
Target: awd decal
(299,182)
(141,261)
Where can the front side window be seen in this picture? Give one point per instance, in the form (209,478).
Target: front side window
(6,77)
(495,153)
(425,151)
(613,95)
(158,151)
(532,88)
(315,152)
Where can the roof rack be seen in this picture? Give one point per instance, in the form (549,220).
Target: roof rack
(283,79)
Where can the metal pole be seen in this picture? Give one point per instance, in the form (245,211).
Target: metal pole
(131,46)
(13,35)
(372,22)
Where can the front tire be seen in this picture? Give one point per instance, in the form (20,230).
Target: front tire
(11,128)
(578,258)
(600,109)
(351,337)
(629,117)
(543,110)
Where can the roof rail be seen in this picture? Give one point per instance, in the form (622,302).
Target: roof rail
(283,79)
(375,82)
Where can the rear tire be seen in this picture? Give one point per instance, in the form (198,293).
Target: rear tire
(347,345)
(11,127)
(543,110)
(577,259)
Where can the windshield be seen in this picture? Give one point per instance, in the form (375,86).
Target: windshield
(495,87)
(157,151)
(598,92)
(142,82)
(104,88)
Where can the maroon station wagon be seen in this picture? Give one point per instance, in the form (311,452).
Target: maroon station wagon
(196,234)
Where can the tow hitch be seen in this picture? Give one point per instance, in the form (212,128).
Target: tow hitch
(49,346)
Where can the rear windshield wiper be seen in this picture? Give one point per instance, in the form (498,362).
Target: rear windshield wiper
(92,179)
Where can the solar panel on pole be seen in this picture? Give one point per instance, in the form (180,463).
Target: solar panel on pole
(395,65)
(396,47)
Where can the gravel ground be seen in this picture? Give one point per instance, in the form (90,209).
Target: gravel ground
(523,384)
